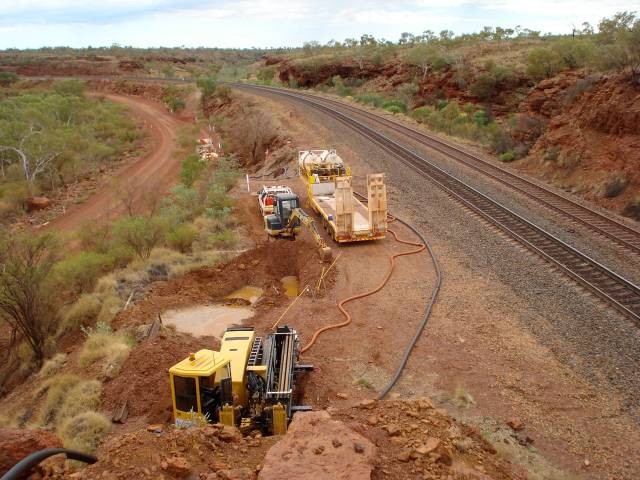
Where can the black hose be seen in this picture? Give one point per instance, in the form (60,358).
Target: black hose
(30,461)
(425,318)
(427,308)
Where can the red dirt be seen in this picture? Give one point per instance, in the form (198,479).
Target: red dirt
(143,380)
(151,174)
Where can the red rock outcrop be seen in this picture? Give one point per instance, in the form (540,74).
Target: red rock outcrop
(317,447)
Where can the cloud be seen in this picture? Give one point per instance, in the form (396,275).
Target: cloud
(246,23)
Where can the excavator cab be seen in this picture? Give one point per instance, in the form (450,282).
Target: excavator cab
(277,224)
(200,386)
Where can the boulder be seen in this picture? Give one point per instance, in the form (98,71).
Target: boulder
(38,203)
(309,451)
(17,443)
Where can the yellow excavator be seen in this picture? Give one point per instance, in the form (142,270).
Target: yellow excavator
(286,221)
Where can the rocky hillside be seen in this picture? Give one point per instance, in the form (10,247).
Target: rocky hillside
(389,439)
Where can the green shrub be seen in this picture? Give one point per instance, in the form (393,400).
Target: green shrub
(110,307)
(84,431)
(191,169)
(395,106)
(181,237)
(105,345)
(53,365)
(207,86)
(141,234)
(372,99)
(8,78)
(394,109)
(69,87)
(84,311)
(83,396)
(507,156)
(227,173)
(485,87)
(266,74)
(81,270)
(225,238)
(543,63)
(56,389)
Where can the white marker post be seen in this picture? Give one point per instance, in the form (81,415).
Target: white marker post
(248,187)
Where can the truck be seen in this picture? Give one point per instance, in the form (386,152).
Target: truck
(251,383)
(330,194)
(266,197)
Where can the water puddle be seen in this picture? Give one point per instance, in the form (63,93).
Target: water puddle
(291,286)
(209,320)
(248,293)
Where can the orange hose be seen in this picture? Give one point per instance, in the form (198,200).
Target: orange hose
(392,262)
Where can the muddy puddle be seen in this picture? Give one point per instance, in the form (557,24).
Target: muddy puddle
(208,320)
(291,286)
(248,293)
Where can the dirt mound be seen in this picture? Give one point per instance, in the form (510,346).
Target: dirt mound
(417,441)
(317,447)
(210,452)
(17,443)
(144,380)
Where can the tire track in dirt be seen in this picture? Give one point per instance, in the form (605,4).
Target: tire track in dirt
(152,173)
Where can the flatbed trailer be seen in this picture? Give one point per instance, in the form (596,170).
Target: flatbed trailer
(330,194)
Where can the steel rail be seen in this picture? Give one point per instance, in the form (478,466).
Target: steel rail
(611,287)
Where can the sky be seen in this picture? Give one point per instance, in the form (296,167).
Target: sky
(274,23)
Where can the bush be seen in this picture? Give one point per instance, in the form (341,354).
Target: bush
(53,365)
(105,345)
(507,156)
(84,431)
(266,74)
(8,78)
(83,396)
(56,389)
(83,312)
(141,234)
(543,63)
(81,270)
(110,307)
(485,87)
(182,237)
(224,239)
(395,106)
(69,87)
(207,86)
(615,185)
(372,99)
(191,169)
(394,109)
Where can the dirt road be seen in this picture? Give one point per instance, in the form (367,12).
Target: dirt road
(148,176)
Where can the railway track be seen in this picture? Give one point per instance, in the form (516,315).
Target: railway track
(617,291)
(623,235)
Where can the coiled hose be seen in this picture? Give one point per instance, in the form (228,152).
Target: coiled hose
(423,323)
(20,469)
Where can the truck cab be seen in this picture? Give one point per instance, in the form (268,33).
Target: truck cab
(266,197)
